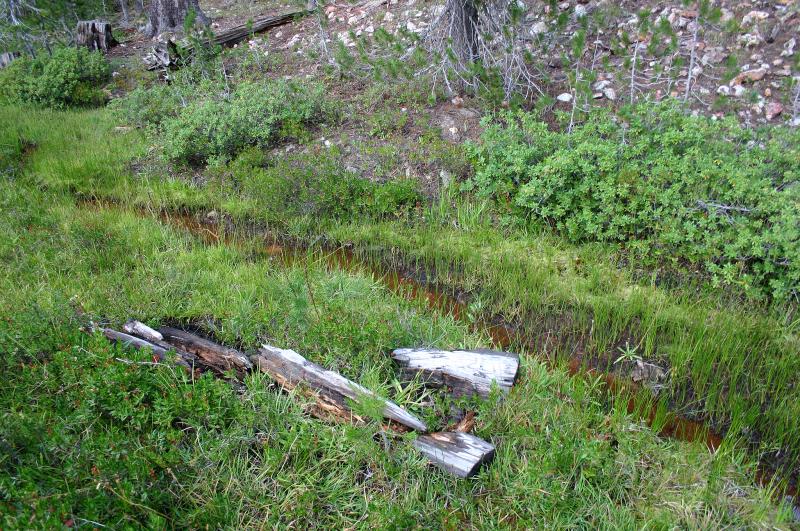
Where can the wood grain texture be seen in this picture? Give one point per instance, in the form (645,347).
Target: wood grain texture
(461,454)
(331,389)
(95,35)
(213,355)
(466,372)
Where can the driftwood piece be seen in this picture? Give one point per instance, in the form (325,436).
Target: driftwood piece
(211,354)
(183,359)
(467,372)
(95,35)
(331,389)
(459,453)
(165,55)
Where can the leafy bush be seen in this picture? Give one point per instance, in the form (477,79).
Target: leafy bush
(68,77)
(670,186)
(201,122)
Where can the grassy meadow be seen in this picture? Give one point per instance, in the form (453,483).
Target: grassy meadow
(91,437)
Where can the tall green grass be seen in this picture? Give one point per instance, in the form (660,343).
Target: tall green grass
(90,437)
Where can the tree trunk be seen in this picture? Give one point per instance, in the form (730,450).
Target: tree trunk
(168,15)
(123,4)
(95,35)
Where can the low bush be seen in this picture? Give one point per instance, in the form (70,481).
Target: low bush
(68,77)
(204,122)
(687,190)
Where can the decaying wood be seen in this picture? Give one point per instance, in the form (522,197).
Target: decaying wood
(211,354)
(182,358)
(459,453)
(95,35)
(164,55)
(466,372)
(137,328)
(331,390)
(6,58)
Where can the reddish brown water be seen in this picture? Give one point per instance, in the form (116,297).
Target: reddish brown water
(504,337)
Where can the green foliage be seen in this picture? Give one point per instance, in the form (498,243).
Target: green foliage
(68,77)
(669,186)
(201,123)
(316,186)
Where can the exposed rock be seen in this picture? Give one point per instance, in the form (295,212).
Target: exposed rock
(647,372)
(788,47)
(774,109)
(714,56)
(754,16)
(564,97)
(749,76)
(610,93)
(539,28)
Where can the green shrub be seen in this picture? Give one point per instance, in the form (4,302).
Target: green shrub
(696,192)
(68,77)
(256,114)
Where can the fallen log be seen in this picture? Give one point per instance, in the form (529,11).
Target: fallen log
(459,453)
(140,329)
(165,55)
(213,355)
(95,35)
(330,389)
(183,359)
(466,372)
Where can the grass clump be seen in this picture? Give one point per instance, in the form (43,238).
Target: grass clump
(675,189)
(69,77)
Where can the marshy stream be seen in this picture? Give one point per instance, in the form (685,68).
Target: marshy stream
(416,287)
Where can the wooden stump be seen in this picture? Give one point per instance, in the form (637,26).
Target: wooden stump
(459,453)
(467,372)
(330,389)
(6,58)
(95,35)
(165,55)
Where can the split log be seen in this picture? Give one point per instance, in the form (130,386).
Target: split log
(459,453)
(166,55)
(183,359)
(95,35)
(466,372)
(213,355)
(331,390)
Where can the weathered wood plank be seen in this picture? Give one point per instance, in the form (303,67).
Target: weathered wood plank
(331,389)
(213,355)
(459,453)
(467,372)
